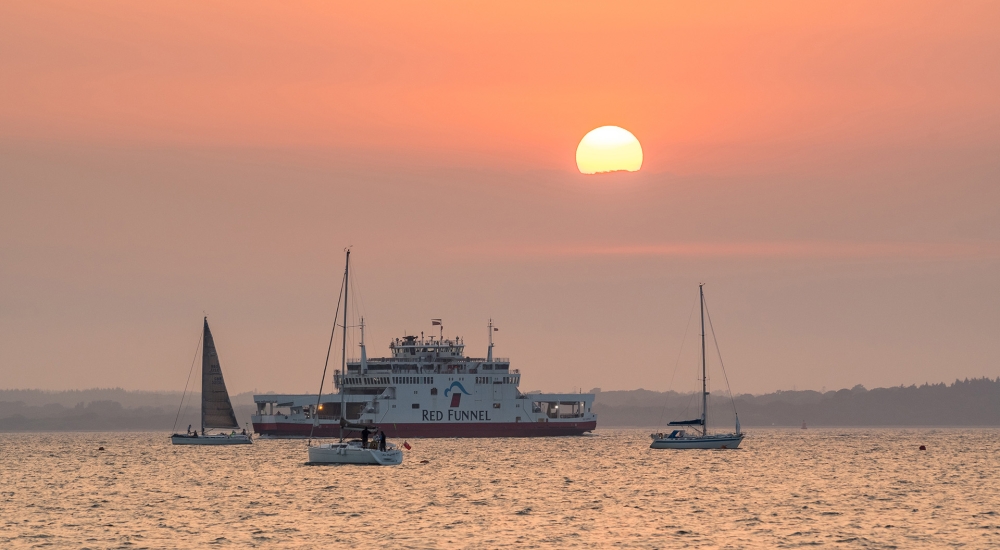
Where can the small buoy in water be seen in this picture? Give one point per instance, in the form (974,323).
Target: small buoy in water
(923,448)
(100,448)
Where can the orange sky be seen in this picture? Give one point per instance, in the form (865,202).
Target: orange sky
(159,159)
(517,83)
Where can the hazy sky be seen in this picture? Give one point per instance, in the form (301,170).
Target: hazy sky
(831,171)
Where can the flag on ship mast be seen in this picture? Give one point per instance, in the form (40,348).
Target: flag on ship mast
(435,322)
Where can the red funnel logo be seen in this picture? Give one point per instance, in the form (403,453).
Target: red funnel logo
(456,396)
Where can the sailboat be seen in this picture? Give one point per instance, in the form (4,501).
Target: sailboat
(700,439)
(349,452)
(216,408)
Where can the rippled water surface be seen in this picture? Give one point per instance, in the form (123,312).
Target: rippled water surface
(852,488)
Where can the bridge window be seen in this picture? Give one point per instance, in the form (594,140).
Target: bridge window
(416,405)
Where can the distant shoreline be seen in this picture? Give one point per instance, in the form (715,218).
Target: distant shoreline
(651,429)
(748,428)
(963,404)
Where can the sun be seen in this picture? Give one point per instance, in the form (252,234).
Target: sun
(608,149)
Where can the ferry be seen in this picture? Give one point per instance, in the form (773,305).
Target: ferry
(428,387)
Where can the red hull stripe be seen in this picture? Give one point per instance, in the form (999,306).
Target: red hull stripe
(484,429)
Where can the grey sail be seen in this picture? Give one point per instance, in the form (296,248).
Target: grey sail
(216,409)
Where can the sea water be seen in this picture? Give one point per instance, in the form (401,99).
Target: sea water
(843,488)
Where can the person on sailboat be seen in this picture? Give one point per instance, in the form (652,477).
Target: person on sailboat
(381,441)
(364,438)
(189,429)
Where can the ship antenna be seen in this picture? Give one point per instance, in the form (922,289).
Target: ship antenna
(364,355)
(489,351)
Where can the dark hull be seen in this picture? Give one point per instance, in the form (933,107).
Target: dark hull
(483,429)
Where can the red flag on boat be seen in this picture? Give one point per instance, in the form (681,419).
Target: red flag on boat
(407,446)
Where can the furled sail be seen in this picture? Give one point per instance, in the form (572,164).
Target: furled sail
(696,422)
(350,426)
(216,409)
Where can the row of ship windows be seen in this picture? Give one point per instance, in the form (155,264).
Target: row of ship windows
(496,379)
(366,380)
(412,380)
(495,406)
(423,379)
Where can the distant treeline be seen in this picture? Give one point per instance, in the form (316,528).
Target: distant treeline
(967,402)
(973,402)
(105,410)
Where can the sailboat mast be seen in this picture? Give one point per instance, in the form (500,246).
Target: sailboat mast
(704,380)
(204,362)
(343,349)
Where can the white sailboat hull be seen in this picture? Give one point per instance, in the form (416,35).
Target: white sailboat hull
(215,439)
(347,453)
(679,439)
(729,441)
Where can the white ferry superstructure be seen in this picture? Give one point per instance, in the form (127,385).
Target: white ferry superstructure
(427,388)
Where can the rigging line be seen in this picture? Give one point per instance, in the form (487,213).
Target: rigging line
(677,362)
(193,359)
(326,363)
(719,353)
(383,416)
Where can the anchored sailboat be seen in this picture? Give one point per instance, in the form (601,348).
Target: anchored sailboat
(216,408)
(349,452)
(701,439)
